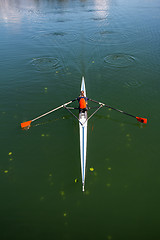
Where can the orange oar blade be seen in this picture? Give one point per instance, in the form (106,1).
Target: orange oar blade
(142,120)
(25,124)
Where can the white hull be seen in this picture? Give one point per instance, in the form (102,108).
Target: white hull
(83,138)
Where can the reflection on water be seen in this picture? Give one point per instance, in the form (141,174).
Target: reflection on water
(10,11)
(102,8)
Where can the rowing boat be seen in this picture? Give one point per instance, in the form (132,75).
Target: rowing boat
(83,137)
(83,121)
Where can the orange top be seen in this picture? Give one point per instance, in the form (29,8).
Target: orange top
(82,103)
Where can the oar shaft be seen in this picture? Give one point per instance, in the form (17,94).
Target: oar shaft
(65,104)
(119,111)
(113,108)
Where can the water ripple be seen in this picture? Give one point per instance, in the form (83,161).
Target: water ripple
(98,18)
(62,37)
(106,37)
(56,34)
(119,60)
(46,63)
(133,83)
(110,37)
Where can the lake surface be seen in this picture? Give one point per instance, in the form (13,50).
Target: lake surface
(45,49)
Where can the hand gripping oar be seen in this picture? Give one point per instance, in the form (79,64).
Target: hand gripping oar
(28,123)
(140,119)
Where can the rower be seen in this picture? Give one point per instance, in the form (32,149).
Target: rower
(82,102)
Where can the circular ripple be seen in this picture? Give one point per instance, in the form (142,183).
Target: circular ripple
(99,18)
(45,63)
(133,84)
(55,34)
(119,60)
(106,32)
(110,37)
(104,37)
(62,37)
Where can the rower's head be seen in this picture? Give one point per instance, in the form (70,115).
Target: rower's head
(82,93)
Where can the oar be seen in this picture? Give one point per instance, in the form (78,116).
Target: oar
(28,123)
(140,119)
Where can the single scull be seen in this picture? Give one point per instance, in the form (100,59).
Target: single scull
(83,137)
(83,121)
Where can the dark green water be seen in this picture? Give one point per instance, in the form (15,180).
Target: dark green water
(45,49)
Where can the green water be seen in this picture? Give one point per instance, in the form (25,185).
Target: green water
(45,49)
